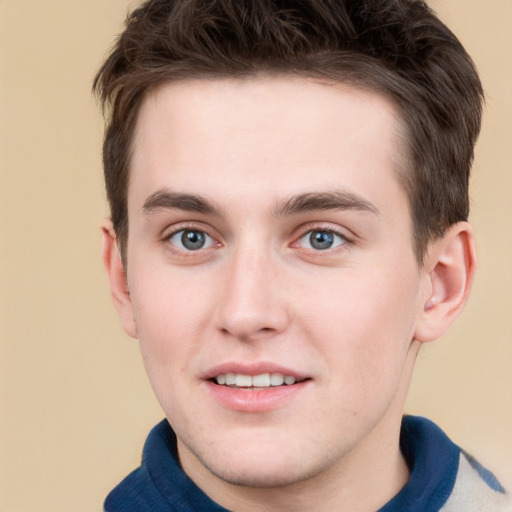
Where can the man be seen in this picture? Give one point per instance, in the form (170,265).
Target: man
(288,190)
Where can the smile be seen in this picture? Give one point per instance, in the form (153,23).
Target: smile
(263,380)
(255,388)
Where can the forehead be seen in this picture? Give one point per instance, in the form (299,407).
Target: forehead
(265,134)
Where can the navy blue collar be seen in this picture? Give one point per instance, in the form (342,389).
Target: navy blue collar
(433,461)
(174,485)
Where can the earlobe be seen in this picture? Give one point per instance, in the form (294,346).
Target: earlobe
(116,275)
(450,266)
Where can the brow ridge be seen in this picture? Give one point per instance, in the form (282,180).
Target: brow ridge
(336,200)
(167,199)
(300,203)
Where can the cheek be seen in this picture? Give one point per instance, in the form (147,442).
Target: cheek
(356,301)
(364,324)
(167,327)
(167,304)
(170,313)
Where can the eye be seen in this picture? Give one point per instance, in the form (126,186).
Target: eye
(191,240)
(320,240)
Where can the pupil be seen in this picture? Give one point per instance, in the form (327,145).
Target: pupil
(192,240)
(321,239)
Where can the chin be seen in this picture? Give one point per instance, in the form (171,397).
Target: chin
(265,462)
(263,476)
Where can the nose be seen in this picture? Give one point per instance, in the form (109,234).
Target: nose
(252,303)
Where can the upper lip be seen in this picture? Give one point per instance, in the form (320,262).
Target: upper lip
(252,369)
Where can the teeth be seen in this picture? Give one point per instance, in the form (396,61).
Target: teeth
(276,379)
(243,381)
(263,380)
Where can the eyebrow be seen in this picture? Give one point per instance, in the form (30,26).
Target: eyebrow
(165,199)
(301,203)
(314,201)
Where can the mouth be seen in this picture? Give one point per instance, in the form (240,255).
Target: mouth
(261,381)
(255,388)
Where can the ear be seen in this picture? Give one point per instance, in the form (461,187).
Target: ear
(450,267)
(117,278)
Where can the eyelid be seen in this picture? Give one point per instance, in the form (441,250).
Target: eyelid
(309,227)
(209,241)
(342,240)
(171,231)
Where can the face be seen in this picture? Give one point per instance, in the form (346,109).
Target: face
(273,284)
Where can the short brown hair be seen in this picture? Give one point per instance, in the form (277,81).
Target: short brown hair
(398,48)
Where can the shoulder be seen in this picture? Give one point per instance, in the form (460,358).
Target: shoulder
(443,477)
(476,489)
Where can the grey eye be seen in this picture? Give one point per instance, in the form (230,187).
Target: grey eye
(191,240)
(321,240)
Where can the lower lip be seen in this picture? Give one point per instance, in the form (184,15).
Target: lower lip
(257,400)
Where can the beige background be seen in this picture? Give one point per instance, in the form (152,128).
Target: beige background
(75,404)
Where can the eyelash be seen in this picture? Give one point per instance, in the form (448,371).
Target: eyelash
(345,240)
(183,251)
(308,236)
(212,242)
(207,239)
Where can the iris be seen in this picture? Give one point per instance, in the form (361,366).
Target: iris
(321,239)
(193,240)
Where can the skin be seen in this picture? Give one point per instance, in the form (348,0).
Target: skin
(256,167)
